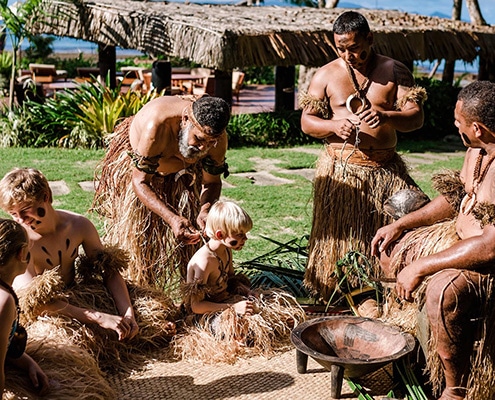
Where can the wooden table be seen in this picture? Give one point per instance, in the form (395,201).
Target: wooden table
(179,79)
(58,86)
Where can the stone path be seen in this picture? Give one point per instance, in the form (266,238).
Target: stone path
(264,168)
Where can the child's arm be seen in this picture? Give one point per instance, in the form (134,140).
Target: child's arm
(199,269)
(24,279)
(124,324)
(7,315)
(35,373)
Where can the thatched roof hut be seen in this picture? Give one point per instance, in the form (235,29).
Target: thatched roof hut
(228,36)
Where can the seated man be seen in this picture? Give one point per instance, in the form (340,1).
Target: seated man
(227,317)
(56,236)
(457,269)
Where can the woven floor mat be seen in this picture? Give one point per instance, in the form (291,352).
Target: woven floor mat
(255,378)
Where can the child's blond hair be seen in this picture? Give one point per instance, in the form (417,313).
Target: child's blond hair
(227,217)
(23,185)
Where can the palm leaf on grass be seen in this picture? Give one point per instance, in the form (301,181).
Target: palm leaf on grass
(282,267)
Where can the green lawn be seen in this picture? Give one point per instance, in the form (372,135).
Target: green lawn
(281,212)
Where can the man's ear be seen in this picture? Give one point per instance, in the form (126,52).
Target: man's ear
(185,117)
(370,38)
(218,235)
(478,128)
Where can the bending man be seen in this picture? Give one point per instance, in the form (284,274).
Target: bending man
(158,180)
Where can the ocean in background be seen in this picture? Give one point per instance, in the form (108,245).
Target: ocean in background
(438,8)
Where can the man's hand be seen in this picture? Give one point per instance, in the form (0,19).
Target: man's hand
(384,237)
(372,117)
(203,214)
(408,280)
(345,128)
(184,231)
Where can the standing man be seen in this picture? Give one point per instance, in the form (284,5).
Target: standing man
(460,265)
(161,174)
(356,104)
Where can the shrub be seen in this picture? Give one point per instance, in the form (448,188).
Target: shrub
(267,129)
(438,109)
(80,118)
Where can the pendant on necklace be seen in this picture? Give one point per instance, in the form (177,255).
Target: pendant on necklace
(355,103)
(468,203)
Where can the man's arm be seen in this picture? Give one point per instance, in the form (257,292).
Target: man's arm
(183,229)
(471,253)
(210,192)
(436,210)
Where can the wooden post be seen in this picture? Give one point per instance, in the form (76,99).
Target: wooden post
(107,60)
(284,88)
(223,85)
(486,70)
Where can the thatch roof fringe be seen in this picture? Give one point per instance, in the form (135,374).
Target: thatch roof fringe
(227,36)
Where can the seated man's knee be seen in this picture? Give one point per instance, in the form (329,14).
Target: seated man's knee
(447,290)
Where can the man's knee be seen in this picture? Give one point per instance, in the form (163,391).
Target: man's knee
(448,290)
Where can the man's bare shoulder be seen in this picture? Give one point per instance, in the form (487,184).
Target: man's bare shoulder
(162,108)
(327,70)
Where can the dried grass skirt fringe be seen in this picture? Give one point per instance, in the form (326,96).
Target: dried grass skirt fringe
(224,337)
(153,310)
(347,211)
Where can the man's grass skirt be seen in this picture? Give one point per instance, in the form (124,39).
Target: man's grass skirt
(348,209)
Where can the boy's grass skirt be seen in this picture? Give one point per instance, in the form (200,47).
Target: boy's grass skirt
(224,337)
(72,371)
(350,188)
(412,316)
(156,256)
(153,311)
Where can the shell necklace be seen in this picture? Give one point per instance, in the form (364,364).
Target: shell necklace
(359,95)
(469,200)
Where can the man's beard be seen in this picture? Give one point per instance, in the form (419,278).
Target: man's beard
(184,148)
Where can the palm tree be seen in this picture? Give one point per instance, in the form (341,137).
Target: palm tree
(14,18)
(476,18)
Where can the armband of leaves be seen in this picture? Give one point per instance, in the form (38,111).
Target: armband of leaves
(484,214)
(320,106)
(148,165)
(448,184)
(213,169)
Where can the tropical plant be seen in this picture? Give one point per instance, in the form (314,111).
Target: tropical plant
(39,49)
(5,68)
(14,18)
(79,118)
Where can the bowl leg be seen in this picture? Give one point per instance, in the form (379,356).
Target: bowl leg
(301,362)
(336,378)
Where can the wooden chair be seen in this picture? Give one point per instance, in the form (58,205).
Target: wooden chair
(208,87)
(46,73)
(237,81)
(87,74)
